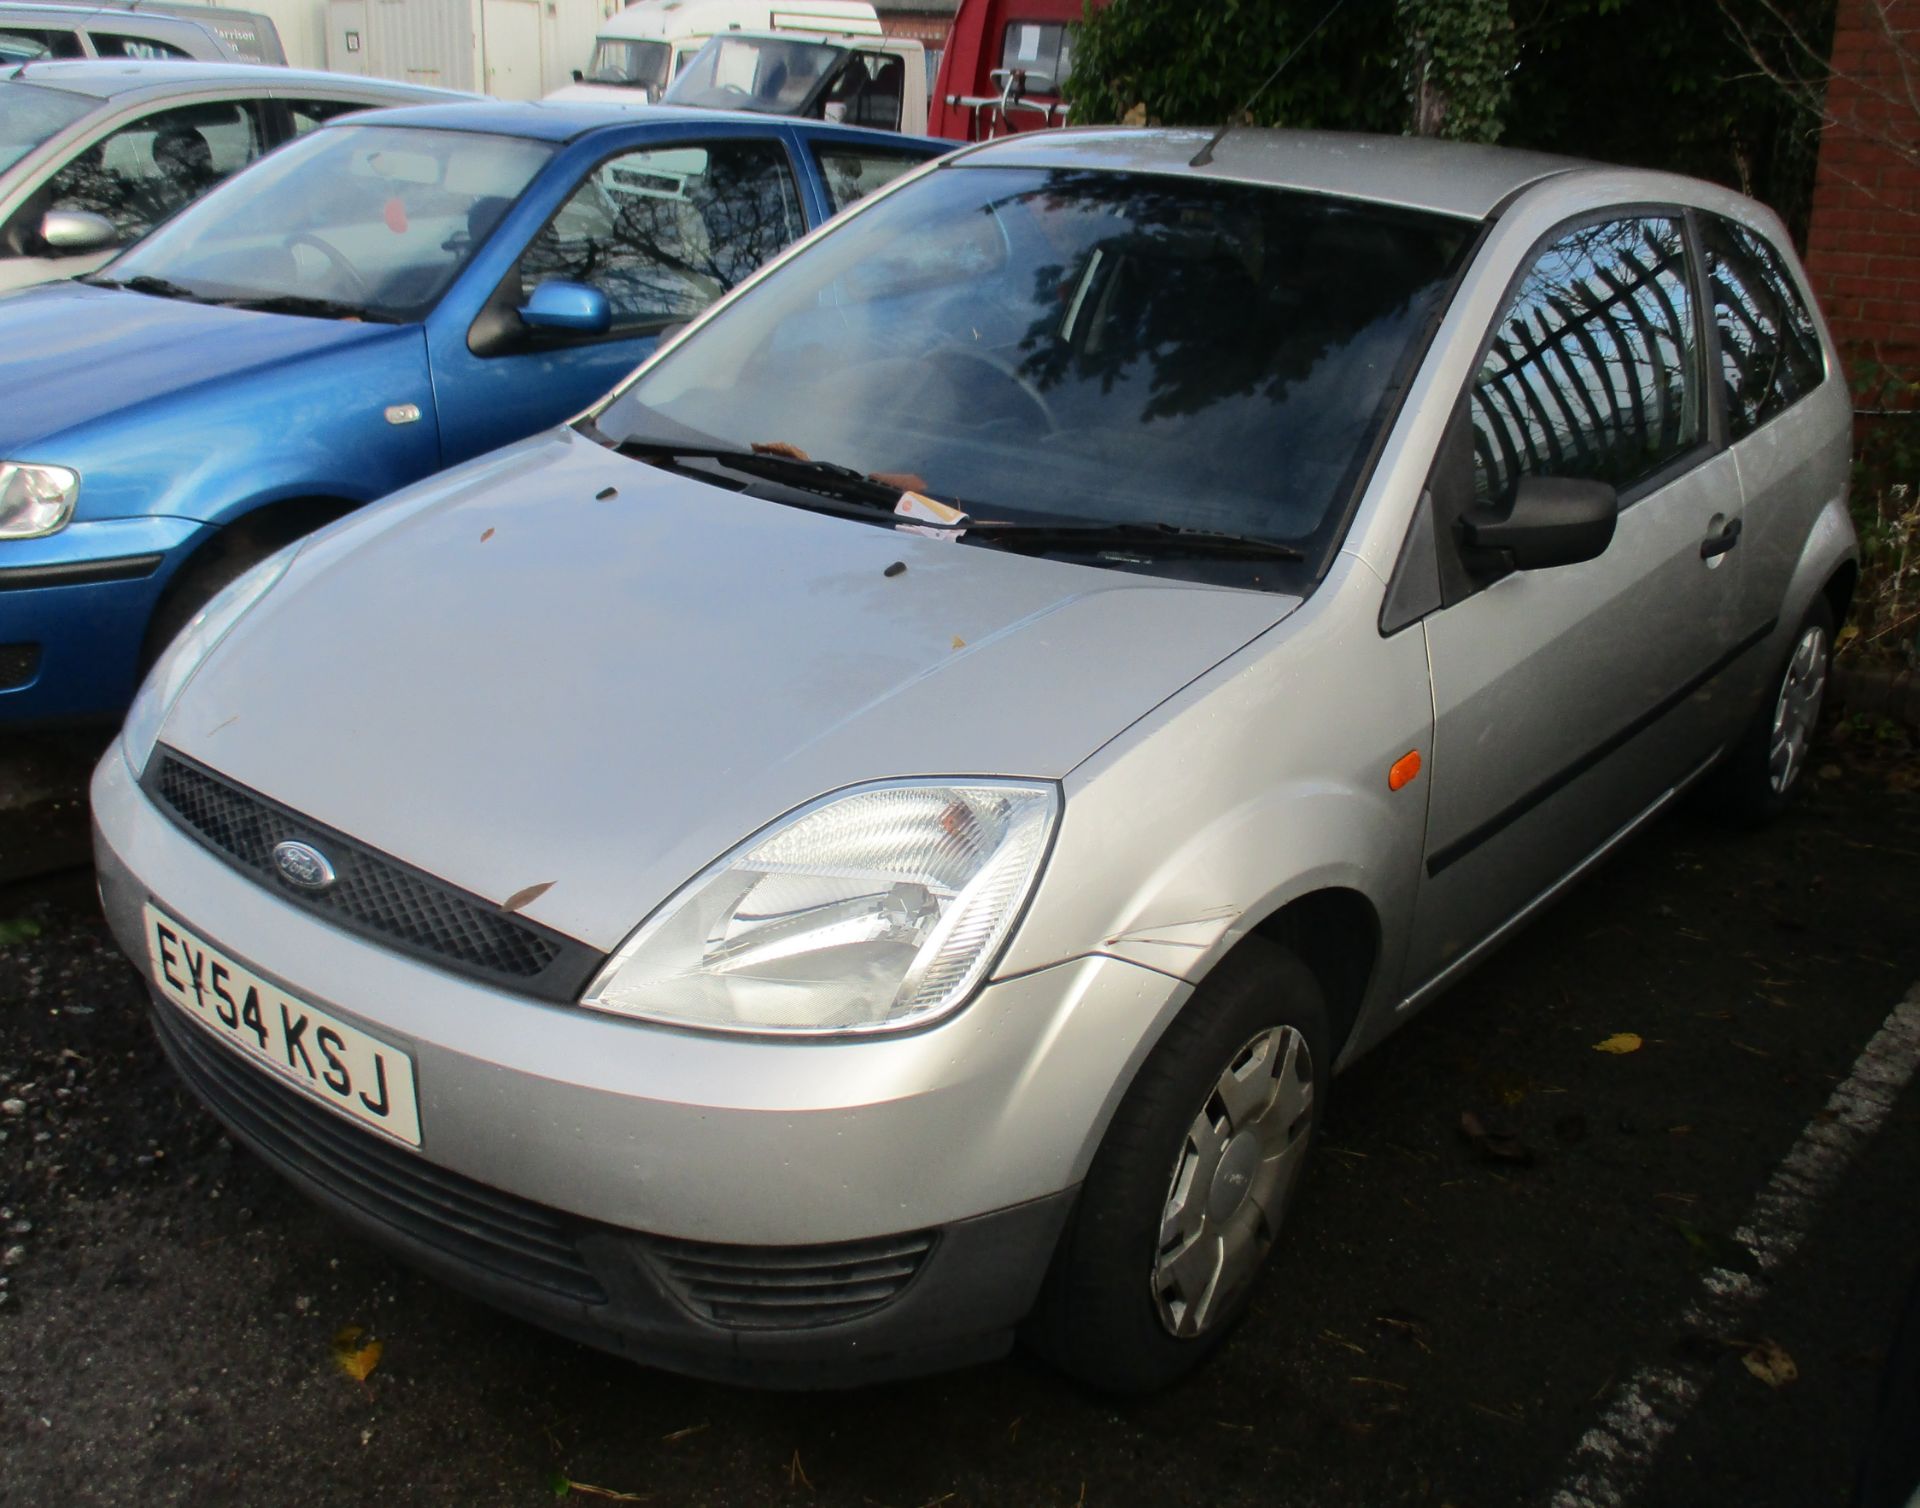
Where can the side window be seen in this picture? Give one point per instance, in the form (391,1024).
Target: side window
(665,231)
(308,113)
(1770,353)
(852,173)
(113,45)
(1594,371)
(150,167)
(868,92)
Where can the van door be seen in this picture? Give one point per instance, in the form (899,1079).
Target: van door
(1567,701)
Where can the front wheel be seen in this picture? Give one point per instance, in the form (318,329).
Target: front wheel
(1189,1190)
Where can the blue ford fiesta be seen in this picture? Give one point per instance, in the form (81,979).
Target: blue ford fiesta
(379,299)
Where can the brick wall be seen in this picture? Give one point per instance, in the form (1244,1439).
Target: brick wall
(1863,243)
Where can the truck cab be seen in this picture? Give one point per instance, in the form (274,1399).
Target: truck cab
(857,80)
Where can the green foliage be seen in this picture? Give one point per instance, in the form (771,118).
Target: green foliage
(1188,64)
(1459,62)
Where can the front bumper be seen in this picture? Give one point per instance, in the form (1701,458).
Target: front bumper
(633,1146)
(74,609)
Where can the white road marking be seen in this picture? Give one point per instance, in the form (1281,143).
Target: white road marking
(1612,1459)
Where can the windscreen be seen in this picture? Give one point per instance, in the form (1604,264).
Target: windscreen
(773,75)
(376,220)
(29,115)
(629,65)
(1079,347)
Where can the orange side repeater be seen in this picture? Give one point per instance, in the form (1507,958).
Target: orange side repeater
(1404,769)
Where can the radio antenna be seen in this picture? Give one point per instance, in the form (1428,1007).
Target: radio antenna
(1205,155)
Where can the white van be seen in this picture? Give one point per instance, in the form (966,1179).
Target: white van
(640,51)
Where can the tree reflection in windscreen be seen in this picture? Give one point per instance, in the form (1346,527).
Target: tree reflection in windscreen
(1083,345)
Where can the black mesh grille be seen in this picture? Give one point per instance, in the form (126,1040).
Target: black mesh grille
(19,663)
(790,1287)
(482,1227)
(372,893)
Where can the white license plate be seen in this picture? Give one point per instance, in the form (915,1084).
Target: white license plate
(339,1065)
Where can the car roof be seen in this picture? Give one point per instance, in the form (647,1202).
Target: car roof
(566,120)
(1446,177)
(108,78)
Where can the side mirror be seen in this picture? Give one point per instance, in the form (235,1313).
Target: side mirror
(568,306)
(68,232)
(1554,521)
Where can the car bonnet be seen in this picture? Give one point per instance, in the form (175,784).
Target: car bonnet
(508,679)
(71,354)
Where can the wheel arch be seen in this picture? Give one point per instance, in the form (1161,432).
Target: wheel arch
(1336,932)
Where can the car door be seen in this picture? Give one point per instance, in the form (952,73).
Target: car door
(662,228)
(1569,700)
(134,174)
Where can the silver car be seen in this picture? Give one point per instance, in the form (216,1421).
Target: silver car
(93,155)
(881,833)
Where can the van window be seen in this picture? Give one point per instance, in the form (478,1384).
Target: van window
(1594,370)
(113,45)
(627,64)
(867,92)
(1044,49)
(58,44)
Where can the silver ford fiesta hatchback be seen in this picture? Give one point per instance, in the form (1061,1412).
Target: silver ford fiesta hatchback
(879,835)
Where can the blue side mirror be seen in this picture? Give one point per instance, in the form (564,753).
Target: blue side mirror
(568,306)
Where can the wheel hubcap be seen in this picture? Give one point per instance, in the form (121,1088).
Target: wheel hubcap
(1797,709)
(1232,1179)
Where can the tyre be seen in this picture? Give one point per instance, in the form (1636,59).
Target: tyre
(1190,1188)
(201,578)
(1769,763)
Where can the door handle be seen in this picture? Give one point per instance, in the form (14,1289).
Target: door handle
(1719,544)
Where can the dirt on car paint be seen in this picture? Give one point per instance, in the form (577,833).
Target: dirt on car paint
(1501,1224)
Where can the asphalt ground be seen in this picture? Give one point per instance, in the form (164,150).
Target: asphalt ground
(1448,1317)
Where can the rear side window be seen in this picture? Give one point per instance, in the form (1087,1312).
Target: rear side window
(867,92)
(1594,370)
(851,173)
(308,113)
(1769,348)
(664,231)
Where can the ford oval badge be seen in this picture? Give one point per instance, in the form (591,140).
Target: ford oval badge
(302,866)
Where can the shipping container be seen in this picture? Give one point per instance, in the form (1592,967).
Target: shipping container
(512,49)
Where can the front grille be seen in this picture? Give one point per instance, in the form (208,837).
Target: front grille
(481,1227)
(19,664)
(789,1287)
(372,894)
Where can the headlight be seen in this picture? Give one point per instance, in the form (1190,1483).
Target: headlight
(35,500)
(872,910)
(180,659)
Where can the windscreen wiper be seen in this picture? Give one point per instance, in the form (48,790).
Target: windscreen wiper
(827,478)
(301,303)
(1139,538)
(158,287)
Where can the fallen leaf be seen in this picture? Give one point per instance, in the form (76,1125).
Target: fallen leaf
(356,1360)
(1620,1042)
(958,642)
(1770,1363)
(20,929)
(1137,116)
(487,536)
(526,897)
